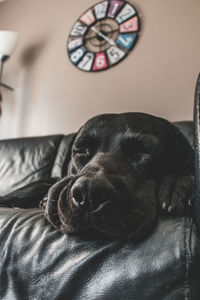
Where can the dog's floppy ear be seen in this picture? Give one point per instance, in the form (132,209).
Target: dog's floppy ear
(182,152)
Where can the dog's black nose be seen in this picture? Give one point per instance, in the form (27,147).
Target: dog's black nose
(78,193)
(91,192)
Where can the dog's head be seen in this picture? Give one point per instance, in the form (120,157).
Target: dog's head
(116,164)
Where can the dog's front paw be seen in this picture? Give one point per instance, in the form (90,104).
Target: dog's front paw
(176,194)
(43,203)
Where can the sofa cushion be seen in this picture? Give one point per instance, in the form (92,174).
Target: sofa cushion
(186,127)
(37,262)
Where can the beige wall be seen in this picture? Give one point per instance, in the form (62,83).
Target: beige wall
(52,96)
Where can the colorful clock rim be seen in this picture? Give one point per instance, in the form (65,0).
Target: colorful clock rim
(86,52)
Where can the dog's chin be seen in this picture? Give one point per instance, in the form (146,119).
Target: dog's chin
(134,224)
(108,220)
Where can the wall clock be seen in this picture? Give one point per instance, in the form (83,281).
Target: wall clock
(103,35)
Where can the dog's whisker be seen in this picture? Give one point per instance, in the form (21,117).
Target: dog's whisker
(139,133)
(123,225)
(57,222)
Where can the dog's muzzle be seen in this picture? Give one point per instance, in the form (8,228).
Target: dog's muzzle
(102,198)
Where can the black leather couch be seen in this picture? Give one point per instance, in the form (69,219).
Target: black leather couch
(39,263)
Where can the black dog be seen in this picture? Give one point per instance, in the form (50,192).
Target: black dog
(125,170)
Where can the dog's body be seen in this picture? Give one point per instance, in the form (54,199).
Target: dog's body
(125,170)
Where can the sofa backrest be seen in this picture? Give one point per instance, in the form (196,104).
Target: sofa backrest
(26,160)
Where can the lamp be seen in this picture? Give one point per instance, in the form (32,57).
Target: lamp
(8,42)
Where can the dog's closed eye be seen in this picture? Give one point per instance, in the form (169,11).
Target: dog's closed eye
(82,151)
(84,147)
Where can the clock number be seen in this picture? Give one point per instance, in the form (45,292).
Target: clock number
(114,8)
(77,54)
(100,10)
(115,54)
(127,12)
(130,25)
(126,40)
(88,18)
(100,61)
(86,63)
(78,29)
(74,43)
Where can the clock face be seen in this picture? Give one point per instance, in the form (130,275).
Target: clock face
(103,35)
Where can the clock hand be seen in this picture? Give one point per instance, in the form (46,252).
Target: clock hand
(94,36)
(103,36)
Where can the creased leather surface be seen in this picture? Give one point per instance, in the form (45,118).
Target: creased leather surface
(63,157)
(37,262)
(26,160)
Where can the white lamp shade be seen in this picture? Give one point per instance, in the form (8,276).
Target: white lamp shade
(8,42)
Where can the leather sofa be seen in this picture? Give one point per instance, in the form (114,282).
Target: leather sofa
(39,263)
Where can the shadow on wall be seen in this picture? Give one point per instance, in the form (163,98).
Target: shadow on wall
(31,53)
(28,59)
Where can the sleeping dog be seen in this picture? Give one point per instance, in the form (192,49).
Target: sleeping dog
(125,170)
